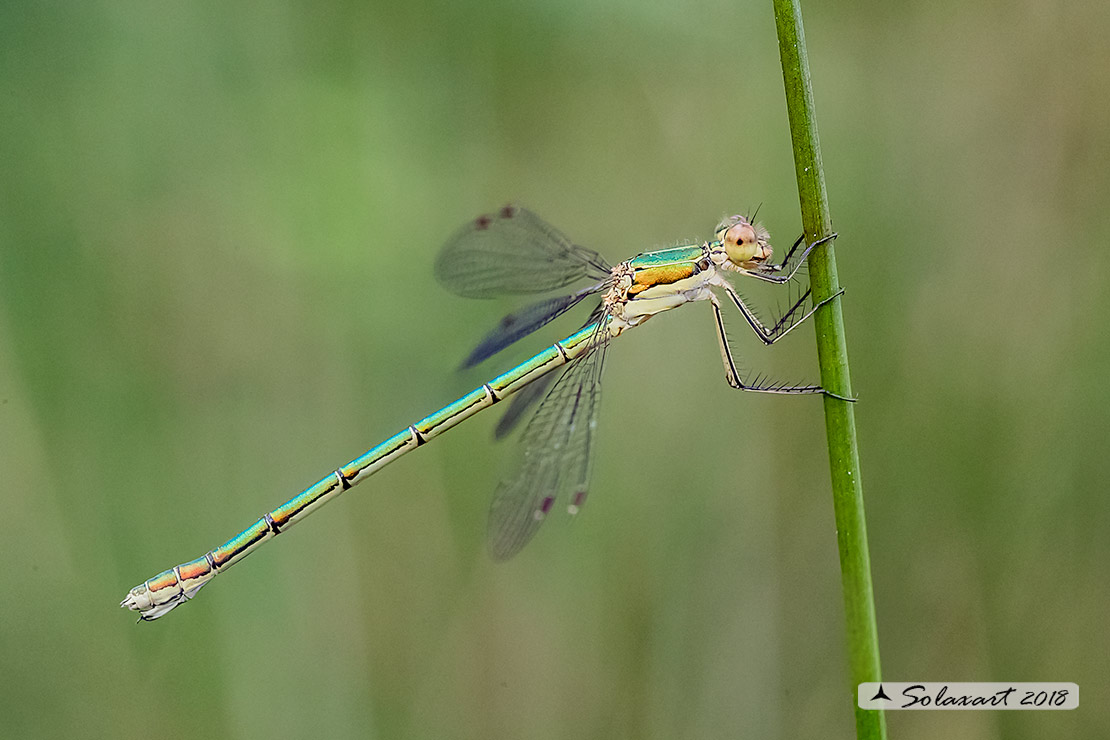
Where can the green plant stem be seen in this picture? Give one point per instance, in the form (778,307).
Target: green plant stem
(832,354)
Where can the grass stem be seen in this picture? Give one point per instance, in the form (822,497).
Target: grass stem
(832,354)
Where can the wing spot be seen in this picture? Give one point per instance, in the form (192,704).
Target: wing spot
(545,506)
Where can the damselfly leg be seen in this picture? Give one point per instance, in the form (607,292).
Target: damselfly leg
(784,324)
(732,375)
(790,264)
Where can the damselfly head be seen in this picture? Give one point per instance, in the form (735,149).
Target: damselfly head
(745,244)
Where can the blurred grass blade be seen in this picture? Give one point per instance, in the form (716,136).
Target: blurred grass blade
(832,353)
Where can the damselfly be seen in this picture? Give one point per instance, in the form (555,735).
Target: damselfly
(513,251)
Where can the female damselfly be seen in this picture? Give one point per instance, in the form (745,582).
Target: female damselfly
(514,251)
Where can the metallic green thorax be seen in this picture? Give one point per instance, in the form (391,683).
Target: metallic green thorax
(684,253)
(667,267)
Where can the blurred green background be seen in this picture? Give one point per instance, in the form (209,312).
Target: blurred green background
(217,226)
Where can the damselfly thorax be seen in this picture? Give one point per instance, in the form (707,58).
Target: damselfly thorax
(653,282)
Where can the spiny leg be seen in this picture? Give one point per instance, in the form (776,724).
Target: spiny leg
(790,253)
(770,273)
(785,323)
(733,377)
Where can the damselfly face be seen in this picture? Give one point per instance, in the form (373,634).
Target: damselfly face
(746,245)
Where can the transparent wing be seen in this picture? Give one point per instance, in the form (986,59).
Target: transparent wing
(556,458)
(521,323)
(513,251)
(524,399)
(534,391)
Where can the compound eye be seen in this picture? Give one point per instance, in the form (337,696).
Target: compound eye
(740,235)
(740,242)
